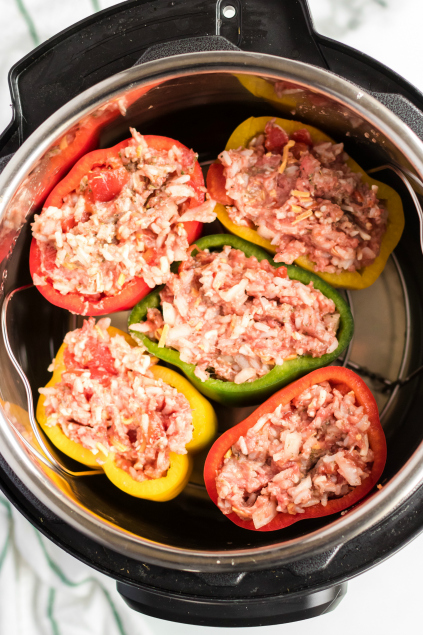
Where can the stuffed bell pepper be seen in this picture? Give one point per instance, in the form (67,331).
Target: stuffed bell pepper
(239,325)
(289,188)
(313,449)
(107,405)
(110,230)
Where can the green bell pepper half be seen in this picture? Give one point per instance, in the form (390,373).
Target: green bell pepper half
(248,393)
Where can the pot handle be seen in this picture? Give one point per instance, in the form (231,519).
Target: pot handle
(245,26)
(404,109)
(187,45)
(235,612)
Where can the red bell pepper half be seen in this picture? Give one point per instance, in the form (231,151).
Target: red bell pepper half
(94,164)
(59,159)
(338,377)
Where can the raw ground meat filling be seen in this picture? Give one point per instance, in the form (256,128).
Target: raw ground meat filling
(95,247)
(108,401)
(305,200)
(313,449)
(235,317)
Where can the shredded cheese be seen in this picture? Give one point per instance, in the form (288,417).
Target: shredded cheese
(99,331)
(68,265)
(300,194)
(285,156)
(302,217)
(103,449)
(119,446)
(162,340)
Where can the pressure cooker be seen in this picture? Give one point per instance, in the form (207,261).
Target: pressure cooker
(193,71)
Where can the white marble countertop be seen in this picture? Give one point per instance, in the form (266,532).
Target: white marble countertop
(386,599)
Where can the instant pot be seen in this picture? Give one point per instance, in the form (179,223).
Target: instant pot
(193,71)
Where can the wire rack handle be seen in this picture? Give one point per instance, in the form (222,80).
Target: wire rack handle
(48,460)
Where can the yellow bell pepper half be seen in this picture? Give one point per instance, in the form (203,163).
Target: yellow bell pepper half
(266,90)
(348,279)
(161,489)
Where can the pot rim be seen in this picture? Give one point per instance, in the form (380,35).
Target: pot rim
(369,513)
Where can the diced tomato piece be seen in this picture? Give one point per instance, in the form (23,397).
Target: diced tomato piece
(299,149)
(150,255)
(187,159)
(105,185)
(302,136)
(276,138)
(50,258)
(68,359)
(68,224)
(358,196)
(281,272)
(100,358)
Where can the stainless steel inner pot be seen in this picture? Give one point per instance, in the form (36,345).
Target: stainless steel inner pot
(199,98)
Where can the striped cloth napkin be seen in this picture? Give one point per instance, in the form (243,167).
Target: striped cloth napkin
(45,591)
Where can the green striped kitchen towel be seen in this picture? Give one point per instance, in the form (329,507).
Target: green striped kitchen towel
(45,591)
